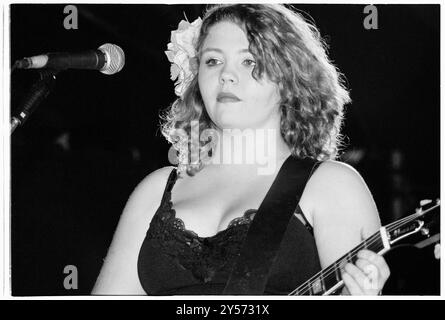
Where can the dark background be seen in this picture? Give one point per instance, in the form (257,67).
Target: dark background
(76,161)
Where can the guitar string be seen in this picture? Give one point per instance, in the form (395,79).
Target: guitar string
(332,267)
(329,271)
(391,227)
(326,277)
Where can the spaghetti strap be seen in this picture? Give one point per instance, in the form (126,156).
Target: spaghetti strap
(305,222)
(170,183)
(171,180)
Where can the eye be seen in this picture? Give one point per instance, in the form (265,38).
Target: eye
(212,62)
(249,62)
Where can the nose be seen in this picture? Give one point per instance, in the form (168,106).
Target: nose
(228,75)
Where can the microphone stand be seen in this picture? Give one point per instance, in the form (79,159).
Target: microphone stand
(39,91)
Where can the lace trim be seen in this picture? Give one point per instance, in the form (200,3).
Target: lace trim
(204,257)
(179,224)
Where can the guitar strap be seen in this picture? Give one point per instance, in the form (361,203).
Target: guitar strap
(258,253)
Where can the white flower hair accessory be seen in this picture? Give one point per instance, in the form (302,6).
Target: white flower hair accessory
(182,54)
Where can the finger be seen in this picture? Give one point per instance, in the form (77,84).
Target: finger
(351,285)
(370,255)
(367,254)
(357,274)
(367,267)
(377,260)
(372,273)
(345,291)
(365,234)
(374,258)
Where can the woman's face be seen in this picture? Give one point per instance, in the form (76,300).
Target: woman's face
(232,97)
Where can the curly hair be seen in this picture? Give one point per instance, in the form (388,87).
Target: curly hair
(291,53)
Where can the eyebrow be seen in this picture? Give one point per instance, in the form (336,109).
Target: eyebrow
(221,51)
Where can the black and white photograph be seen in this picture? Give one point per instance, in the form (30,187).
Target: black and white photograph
(233,149)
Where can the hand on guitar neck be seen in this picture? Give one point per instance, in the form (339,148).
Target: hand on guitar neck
(367,275)
(363,270)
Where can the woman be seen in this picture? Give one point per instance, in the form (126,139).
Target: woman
(247,68)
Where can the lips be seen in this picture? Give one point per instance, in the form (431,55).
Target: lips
(227,97)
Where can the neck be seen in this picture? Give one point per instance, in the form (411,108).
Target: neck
(262,149)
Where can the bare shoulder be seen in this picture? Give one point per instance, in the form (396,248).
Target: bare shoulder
(336,188)
(119,271)
(156,180)
(342,209)
(337,178)
(148,193)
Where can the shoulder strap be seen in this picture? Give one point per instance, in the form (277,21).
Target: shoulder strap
(171,180)
(250,273)
(173,176)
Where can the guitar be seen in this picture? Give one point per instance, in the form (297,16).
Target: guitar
(328,281)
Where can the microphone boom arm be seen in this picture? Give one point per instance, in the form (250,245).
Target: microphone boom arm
(39,91)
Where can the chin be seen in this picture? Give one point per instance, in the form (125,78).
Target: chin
(232,120)
(237,125)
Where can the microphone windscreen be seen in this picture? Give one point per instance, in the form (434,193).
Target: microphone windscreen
(115,58)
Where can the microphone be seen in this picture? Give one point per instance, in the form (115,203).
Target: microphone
(108,59)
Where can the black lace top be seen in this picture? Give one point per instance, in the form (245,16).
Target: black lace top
(176,261)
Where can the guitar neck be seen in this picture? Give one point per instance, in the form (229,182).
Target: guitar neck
(329,279)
